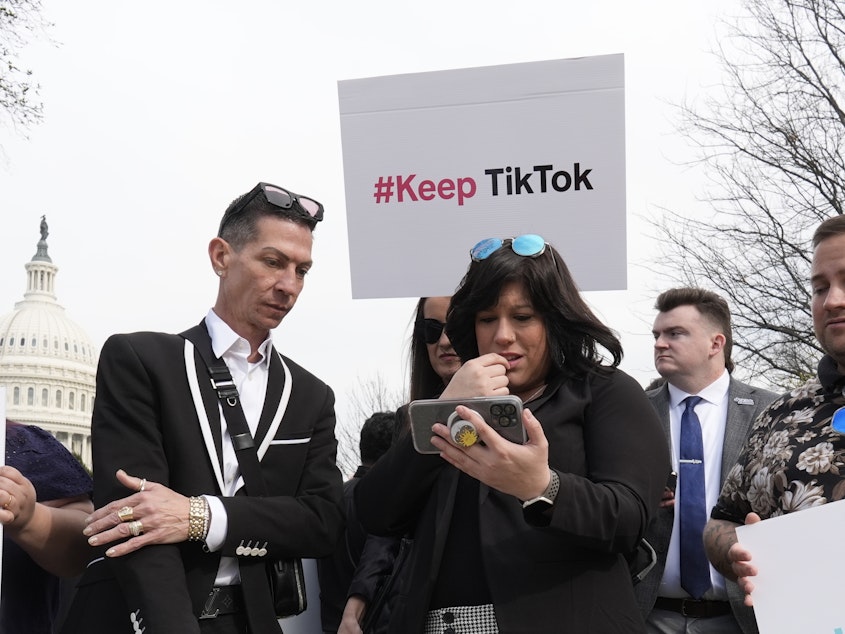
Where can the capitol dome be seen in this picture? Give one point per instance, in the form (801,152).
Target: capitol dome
(48,364)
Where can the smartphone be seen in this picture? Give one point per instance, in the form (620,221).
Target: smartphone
(672,481)
(502,413)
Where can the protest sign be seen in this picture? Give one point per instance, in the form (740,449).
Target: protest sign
(796,590)
(435,162)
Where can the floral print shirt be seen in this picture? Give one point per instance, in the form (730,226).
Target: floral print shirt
(792,459)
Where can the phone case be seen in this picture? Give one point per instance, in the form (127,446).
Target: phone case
(502,413)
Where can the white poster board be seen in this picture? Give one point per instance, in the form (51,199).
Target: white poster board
(799,558)
(434,162)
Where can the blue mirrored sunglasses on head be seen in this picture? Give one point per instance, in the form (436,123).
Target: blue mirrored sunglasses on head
(838,420)
(529,245)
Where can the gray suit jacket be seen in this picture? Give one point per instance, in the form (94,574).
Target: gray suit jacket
(741,415)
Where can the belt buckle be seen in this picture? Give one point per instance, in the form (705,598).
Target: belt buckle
(209,604)
(696,611)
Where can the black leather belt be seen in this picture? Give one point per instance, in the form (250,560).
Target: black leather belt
(692,608)
(223,600)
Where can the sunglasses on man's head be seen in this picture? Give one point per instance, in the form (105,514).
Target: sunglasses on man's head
(529,245)
(278,197)
(430,330)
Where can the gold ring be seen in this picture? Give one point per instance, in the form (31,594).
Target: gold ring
(9,503)
(136,528)
(125,514)
(142,486)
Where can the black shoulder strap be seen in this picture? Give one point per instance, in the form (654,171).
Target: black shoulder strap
(227,393)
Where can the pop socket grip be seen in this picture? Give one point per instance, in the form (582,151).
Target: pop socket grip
(463,432)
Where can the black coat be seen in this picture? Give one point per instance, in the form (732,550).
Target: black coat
(151,419)
(607,446)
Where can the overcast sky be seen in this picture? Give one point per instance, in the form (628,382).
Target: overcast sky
(157,114)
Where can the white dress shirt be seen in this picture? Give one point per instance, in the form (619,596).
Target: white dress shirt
(251,381)
(712,411)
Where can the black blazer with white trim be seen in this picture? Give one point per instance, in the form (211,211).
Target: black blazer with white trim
(156,416)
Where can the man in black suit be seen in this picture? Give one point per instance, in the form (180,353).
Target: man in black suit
(692,351)
(165,468)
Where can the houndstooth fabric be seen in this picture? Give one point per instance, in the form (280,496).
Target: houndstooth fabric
(470,619)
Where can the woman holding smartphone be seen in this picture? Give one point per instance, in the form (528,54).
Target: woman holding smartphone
(533,537)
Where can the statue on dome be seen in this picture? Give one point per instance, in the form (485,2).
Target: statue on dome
(41,252)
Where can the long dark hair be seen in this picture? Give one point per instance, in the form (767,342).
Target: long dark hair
(425,382)
(573,333)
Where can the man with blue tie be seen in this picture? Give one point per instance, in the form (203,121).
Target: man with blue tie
(706,415)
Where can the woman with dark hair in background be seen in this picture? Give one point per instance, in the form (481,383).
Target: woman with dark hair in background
(433,362)
(433,359)
(525,538)
(45,497)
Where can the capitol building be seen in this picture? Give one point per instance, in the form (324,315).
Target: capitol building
(48,364)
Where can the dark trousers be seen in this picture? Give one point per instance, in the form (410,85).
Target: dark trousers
(662,621)
(111,615)
(226,624)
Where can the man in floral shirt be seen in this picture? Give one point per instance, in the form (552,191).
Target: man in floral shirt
(793,458)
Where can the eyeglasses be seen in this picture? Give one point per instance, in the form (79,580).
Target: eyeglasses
(430,330)
(529,245)
(277,196)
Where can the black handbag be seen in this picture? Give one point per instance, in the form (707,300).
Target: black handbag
(287,583)
(286,576)
(384,594)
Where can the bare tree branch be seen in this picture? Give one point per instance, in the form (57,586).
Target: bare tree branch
(369,396)
(770,142)
(20,102)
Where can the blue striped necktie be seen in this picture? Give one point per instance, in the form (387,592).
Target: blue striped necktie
(695,569)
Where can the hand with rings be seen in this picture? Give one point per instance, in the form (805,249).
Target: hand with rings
(151,514)
(50,531)
(17,498)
